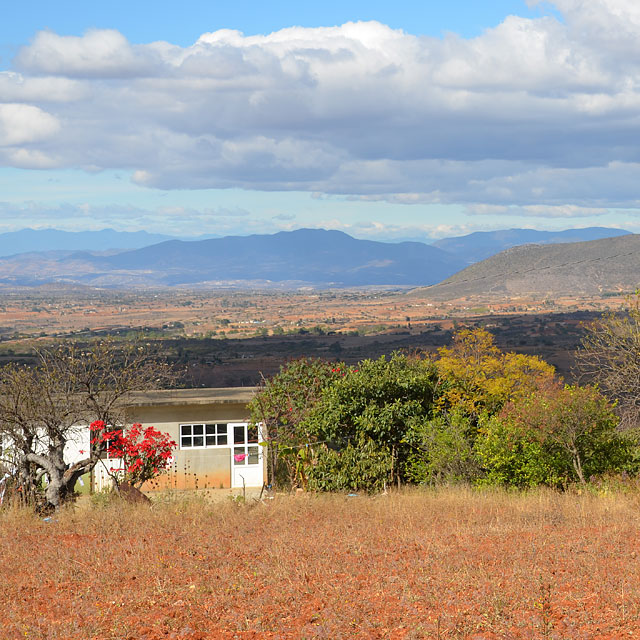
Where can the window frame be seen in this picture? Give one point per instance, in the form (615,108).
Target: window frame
(217,434)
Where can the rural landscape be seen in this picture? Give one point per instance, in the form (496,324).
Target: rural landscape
(426,528)
(320,321)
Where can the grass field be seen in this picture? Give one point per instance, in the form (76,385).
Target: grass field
(447,564)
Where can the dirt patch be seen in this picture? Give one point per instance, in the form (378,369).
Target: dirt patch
(452,564)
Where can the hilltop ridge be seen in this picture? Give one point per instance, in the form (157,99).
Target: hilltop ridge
(581,268)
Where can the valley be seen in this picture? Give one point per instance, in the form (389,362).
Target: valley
(230,338)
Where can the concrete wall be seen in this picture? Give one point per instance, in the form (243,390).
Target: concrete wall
(192,468)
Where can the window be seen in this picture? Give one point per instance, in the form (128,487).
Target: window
(246,455)
(194,436)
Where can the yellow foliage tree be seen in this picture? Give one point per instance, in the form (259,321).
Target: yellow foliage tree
(475,376)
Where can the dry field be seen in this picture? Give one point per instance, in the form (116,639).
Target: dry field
(230,338)
(54,313)
(446,564)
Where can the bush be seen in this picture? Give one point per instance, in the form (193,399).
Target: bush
(442,450)
(556,437)
(366,416)
(474,415)
(282,405)
(360,466)
(516,457)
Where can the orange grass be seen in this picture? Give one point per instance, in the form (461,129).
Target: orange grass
(447,564)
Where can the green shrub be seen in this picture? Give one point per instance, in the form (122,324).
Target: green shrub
(361,466)
(367,414)
(442,450)
(556,437)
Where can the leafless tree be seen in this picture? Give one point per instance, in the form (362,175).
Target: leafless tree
(610,357)
(43,406)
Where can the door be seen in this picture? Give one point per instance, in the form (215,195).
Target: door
(247,458)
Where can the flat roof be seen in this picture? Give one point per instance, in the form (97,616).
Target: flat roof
(176,397)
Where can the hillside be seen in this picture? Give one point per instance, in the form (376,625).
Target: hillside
(581,268)
(484,244)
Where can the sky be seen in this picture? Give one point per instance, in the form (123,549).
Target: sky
(387,120)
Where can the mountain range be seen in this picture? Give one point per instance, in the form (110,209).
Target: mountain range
(307,256)
(30,240)
(303,257)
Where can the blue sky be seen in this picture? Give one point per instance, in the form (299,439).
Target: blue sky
(183,22)
(387,120)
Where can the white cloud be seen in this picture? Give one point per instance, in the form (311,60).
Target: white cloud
(536,211)
(23,123)
(540,114)
(170,219)
(99,53)
(15,87)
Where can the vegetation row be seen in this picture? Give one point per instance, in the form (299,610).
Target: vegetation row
(473,414)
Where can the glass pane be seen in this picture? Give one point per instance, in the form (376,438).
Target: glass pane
(252,432)
(222,428)
(211,441)
(238,434)
(222,439)
(210,429)
(198,429)
(239,455)
(186,429)
(185,441)
(198,441)
(253,455)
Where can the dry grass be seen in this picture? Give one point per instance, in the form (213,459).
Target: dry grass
(448,564)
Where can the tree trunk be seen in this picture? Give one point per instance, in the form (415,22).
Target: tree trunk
(577,465)
(55,492)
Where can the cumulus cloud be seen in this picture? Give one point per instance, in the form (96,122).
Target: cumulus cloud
(538,114)
(15,87)
(99,53)
(23,123)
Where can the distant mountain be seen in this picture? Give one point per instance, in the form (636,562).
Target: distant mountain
(29,240)
(484,244)
(581,268)
(317,257)
(305,256)
(314,256)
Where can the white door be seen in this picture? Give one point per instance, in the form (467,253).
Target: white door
(247,457)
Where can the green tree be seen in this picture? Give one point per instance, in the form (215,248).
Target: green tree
(555,437)
(281,406)
(362,420)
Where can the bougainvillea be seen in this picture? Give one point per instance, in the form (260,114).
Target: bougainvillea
(143,452)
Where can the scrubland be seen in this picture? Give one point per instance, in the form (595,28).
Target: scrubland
(450,563)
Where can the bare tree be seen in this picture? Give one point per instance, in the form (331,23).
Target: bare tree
(610,357)
(42,408)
